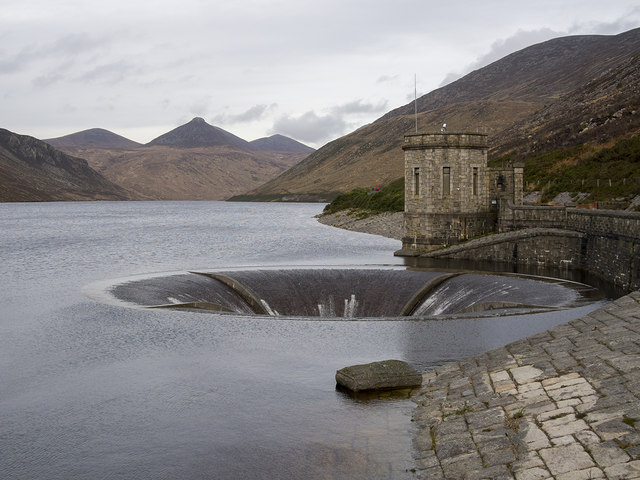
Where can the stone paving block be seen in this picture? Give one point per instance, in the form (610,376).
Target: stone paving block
(564,378)
(499,457)
(612,429)
(626,363)
(539,407)
(525,374)
(427,461)
(535,473)
(454,446)
(543,417)
(534,438)
(564,440)
(453,424)
(434,473)
(608,453)
(457,467)
(572,402)
(500,376)
(485,418)
(586,474)
(633,452)
(583,389)
(527,460)
(565,459)
(567,425)
(623,471)
(528,387)
(587,438)
(487,445)
(497,472)
(606,414)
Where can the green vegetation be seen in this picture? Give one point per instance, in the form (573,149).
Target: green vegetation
(605,173)
(388,199)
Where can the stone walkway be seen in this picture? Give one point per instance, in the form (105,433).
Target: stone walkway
(562,404)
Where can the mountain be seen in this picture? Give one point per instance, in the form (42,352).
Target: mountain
(94,138)
(195,161)
(515,97)
(280,143)
(32,170)
(198,133)
(597,113)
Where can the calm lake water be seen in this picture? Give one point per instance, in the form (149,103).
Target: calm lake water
(95,390)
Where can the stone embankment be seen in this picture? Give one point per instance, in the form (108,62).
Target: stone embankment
(387,224)
(563,404)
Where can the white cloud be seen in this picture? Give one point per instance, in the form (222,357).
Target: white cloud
(310,70)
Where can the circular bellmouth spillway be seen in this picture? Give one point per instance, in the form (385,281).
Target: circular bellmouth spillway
(354,292)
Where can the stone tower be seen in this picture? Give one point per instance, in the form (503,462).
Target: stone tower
(450,193)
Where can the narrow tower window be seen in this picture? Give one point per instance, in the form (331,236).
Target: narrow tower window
(475,180)
(416,182)
(446,181)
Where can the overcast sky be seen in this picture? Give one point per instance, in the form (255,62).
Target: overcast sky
(311,70)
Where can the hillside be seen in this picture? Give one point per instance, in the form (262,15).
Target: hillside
(280,143)
(198,133)
(94,138)
(493,99)
(195,161)
(32,170)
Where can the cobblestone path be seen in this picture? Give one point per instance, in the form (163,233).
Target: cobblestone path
(563,404)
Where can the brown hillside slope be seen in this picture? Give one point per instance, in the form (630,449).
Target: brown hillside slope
(204,173)
(32,170)
(195,161)
(489,100)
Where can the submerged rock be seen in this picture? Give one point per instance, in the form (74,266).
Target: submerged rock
(385,375)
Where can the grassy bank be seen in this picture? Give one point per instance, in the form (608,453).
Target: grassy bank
(389,198)
(603,173)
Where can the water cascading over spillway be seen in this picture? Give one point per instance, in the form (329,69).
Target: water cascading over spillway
(352,292)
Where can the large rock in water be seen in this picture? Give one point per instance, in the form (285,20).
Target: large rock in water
(385,375)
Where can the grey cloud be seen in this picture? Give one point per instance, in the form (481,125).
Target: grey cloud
(359,106)
(67,47)
(257,112)
(387,78)
(621,24)
(503,47)
(109,73)
(310,127)
(314,128)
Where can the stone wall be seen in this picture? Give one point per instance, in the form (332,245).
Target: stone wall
(609,244)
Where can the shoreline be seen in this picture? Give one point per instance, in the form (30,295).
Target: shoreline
(386,224)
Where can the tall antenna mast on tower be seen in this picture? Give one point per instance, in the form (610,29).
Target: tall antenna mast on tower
(415,98)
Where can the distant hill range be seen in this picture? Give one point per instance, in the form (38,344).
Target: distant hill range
(32,170)
(195,161)
(563,92)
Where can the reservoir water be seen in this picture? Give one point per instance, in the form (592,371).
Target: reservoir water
(91,388)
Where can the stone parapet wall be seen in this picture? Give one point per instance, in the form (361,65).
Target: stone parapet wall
(445,140)
(537,246)
(610,242)
(604,222)
(518,217)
